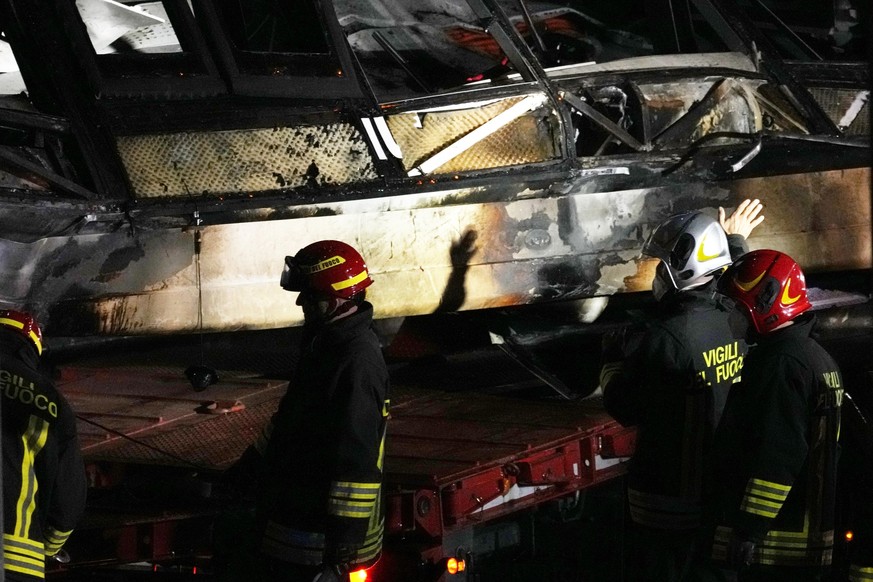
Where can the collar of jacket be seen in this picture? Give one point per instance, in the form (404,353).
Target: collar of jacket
(802,327)
(14,345)
(679,300)
(341,330)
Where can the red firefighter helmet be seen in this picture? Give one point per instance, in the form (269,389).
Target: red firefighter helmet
(327,267)
(770,285)
(24,324)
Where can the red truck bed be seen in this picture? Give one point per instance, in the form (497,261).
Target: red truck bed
(453,459)
(472,457)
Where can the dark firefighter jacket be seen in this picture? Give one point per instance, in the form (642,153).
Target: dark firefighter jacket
(44,482)
(775,452)
(673,386)
(856,476)
(320,500)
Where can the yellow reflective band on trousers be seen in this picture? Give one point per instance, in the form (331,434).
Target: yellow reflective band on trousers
(348,499)
(764,498)
(783,548)
(860,573)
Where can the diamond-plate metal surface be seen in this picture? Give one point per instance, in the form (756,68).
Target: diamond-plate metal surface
(525,140)
(151,416)
(244,161)
(213,443)
(836,102)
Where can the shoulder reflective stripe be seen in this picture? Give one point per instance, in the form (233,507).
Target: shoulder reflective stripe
(33,440)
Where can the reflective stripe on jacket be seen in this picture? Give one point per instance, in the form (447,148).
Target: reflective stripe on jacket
(775,452)
(672,386)
(44,482)
(321,498)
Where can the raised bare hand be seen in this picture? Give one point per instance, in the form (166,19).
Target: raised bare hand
(744,219)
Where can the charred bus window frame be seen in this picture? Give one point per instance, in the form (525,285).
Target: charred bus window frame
(150,75)
(330,75)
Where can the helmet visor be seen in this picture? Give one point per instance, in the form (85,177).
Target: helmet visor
(292,276)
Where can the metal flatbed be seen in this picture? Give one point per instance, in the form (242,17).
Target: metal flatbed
(454,460)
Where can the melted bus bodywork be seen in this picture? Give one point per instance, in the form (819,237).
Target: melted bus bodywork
(159,159)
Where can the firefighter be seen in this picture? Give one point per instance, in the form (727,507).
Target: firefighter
(672,385)
(44,482)
(775,452)
(856,468)
(319,508)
